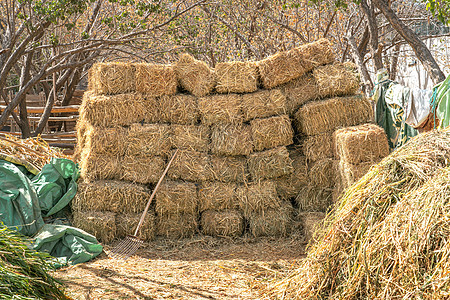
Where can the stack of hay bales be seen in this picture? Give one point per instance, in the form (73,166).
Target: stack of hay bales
(238,169)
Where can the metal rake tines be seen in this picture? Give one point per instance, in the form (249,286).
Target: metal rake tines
(127,247)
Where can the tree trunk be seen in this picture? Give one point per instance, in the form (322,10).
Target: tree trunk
(368,85)
(420,49)
(23,113)
(394,63)
(368,9)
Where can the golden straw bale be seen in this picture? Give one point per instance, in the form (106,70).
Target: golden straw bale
(91,77)
(110,111)
(111,195)
(299,91)
(152,107)
(113,78)
(271,222)
(323,173)
(270,164)
(126,224)
(236,77)
(96,167)
(263,104)
(367,142)
(231,139)
(148,139)
(257,197)
(179,109)
(272,132)
(311,222)
(217,196)
(229,169)
(288,186)
(142,168)
(312,198)
(109,141)
(351,173)
(190,137)
(100,224)
(336,79)
(156,80)
(220,109)
(319,146)
(222,223)
(288,65)
(80,127)
(328,115)
(194,75)
(338,190)
(176,226)
(192,166)
(176,197)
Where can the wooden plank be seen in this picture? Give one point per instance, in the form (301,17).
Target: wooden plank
(55,109)
(62,145)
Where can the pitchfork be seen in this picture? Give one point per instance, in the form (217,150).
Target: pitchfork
(130,244)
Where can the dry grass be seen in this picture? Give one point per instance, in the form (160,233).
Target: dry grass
(263,104)
(222,223)
(363,143)
(236,77)
(156,80)
(142,168)
(229,169)
(108,141)
(311,220)
(328,115)
(320,146)
(176,198)
(112,78)
(194,75)
(271,222)
(313,198)
(152,113)
(271,163)
(176,226)
(299,91)
(217,196)
(179,109)
(102,225)
(257,197)
(148,139)
(323,173)
(288,65)
(126,224)
(220,109)
(192,166)
(98,167)
(272,132)
(387,235)
(336,79)
(231,140)
(290,185)
(190,137)
(351,173)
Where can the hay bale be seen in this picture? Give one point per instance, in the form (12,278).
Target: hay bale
(311,221)
(80,127)
(222,223)
(192,166)
(190,137)
(111,111)
(272,132)
(220,109)
(323,173)
(290,185)
(257,197)
(148,139)
(113,78)
(263,104)
(229,169)
(179,109)
(299,91)
(176,198)
(102,225)
(108,141)
(327,115)
(231,140)
(271,222)
(271,163)
(142,168)
(312,198)
(336,79)
(176,226)
(156,80)
(367,142)
(126,224)
(320,146)
(288,65)
(194,75)
(111,195)
(152,107)
(98,167)
(351,173)
(217,196)
(236,77)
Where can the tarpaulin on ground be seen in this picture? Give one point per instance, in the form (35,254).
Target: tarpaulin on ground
(26,198)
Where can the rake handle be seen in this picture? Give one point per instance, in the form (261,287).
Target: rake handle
(153,194)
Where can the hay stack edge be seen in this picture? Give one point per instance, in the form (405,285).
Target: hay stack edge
(252,157)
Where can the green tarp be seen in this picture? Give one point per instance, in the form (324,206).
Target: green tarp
(442,91)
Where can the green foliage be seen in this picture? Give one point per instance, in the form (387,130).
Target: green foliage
(440,9)
(24,272)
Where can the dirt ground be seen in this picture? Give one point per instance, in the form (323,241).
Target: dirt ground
(197,268)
